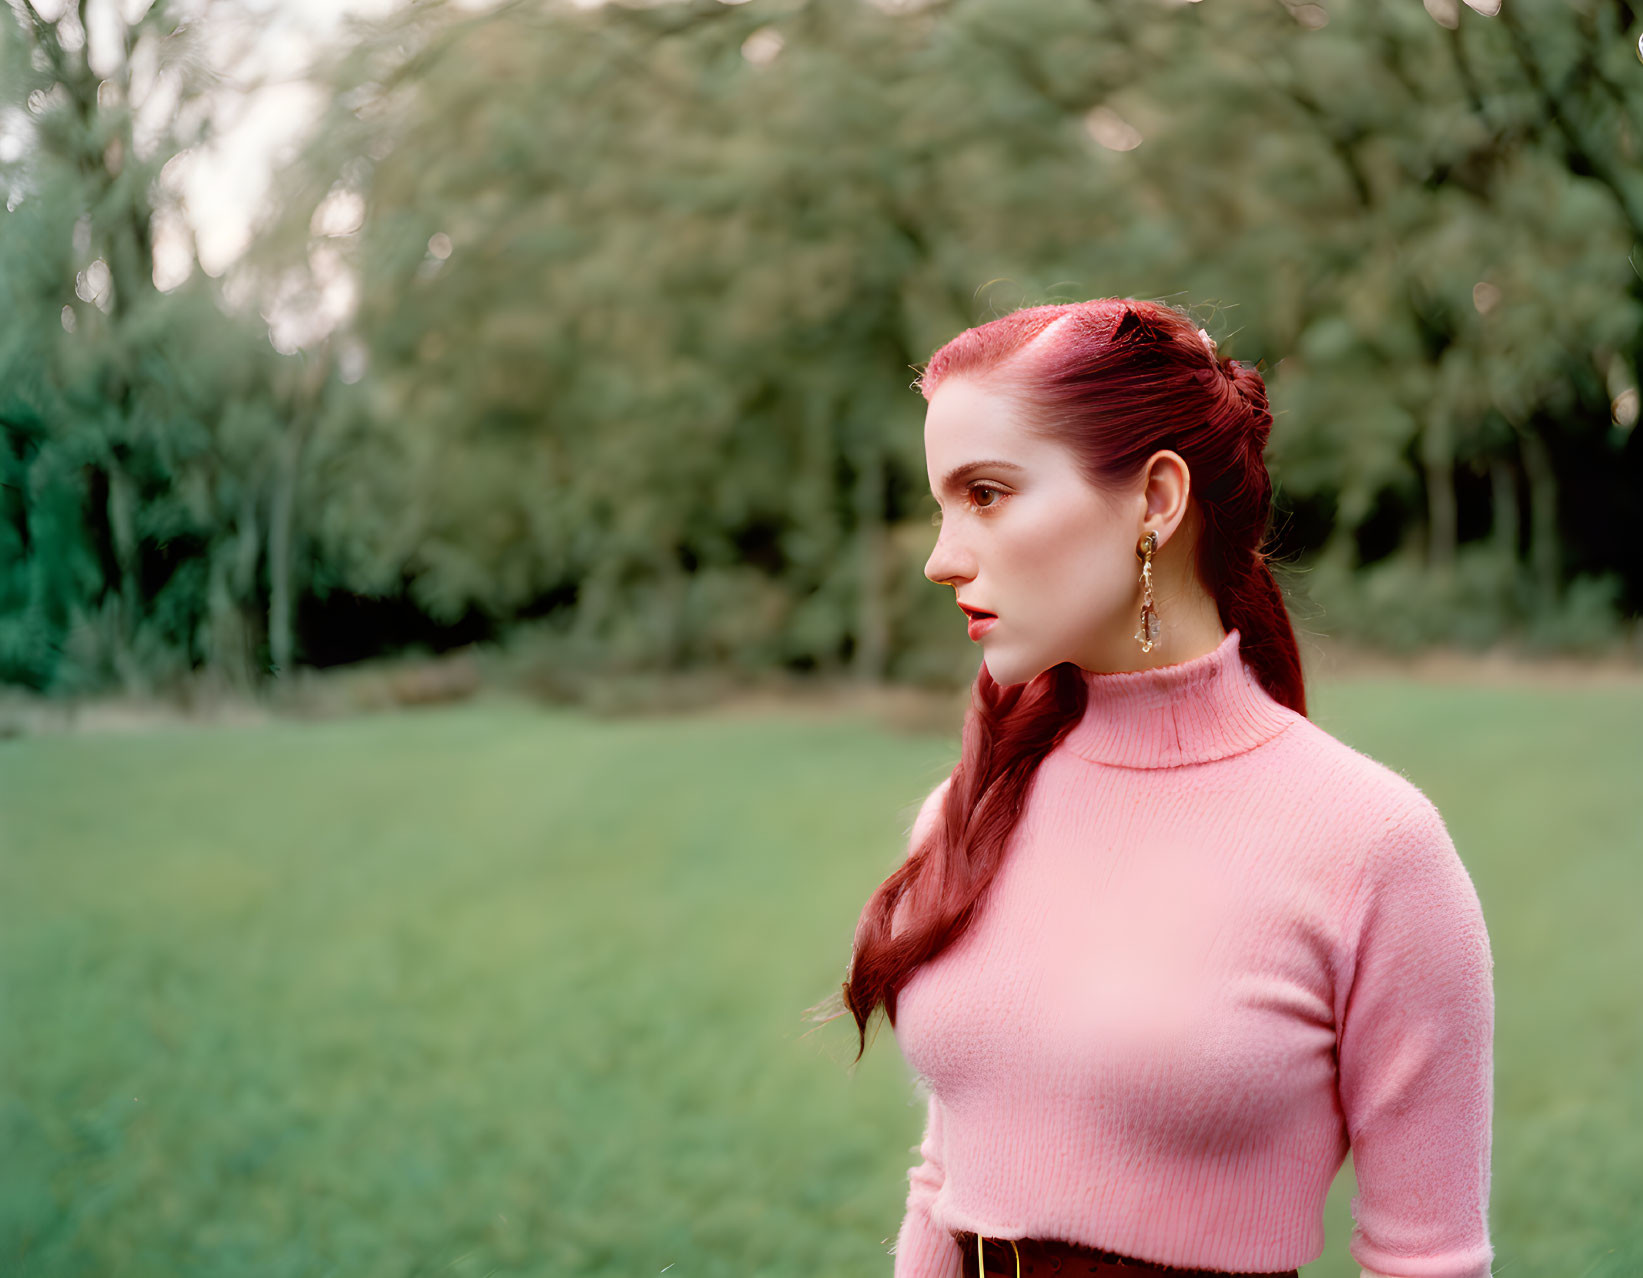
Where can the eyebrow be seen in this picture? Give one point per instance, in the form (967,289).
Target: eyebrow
(959,473)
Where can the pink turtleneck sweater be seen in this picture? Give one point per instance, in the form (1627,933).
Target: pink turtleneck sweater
(1223,947)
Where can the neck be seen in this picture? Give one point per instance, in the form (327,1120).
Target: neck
(1208,707)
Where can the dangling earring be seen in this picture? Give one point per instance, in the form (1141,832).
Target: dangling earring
(1150,629)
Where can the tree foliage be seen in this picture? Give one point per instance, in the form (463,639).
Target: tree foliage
(641,291)
(137,423)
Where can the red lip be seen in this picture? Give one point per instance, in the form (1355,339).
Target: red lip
(980,622)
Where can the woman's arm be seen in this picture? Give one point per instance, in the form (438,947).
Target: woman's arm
(923,1249)
(1415,1041)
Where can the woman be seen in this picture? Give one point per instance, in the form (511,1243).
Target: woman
(1162,949)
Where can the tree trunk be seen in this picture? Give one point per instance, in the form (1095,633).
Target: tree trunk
(673,587)
(232,643)
(281,532)
(1543,539)
(872,650)
(1505,515)
(122,506)
(306,399)
(1438,459)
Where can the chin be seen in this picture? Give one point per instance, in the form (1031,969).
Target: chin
(1009,673)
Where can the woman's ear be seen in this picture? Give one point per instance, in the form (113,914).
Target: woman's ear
(1169,484)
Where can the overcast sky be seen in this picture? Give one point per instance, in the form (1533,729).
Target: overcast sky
(224,186)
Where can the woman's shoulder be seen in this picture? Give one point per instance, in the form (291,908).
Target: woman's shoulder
(928,811)
(1368,808)
(1343,770)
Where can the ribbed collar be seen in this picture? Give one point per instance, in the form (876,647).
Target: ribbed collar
(1193,711)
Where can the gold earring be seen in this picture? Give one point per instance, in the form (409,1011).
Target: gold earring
(1150,629)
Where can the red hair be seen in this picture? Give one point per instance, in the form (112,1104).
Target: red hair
(1113,381)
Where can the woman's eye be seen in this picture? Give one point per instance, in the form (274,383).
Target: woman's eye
(998,493)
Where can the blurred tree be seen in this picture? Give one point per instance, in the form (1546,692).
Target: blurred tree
(644,286)
(641,291)
(138,421)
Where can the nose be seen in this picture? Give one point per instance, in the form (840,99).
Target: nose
(949,562)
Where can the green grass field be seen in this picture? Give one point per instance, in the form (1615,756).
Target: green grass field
(499,990)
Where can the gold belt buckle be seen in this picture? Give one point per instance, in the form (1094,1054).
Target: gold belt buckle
(981,1260)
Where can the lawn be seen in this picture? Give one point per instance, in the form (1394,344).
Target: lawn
(504,990)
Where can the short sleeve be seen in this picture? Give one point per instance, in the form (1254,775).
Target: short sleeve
(1415,1042)
(923,1248)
